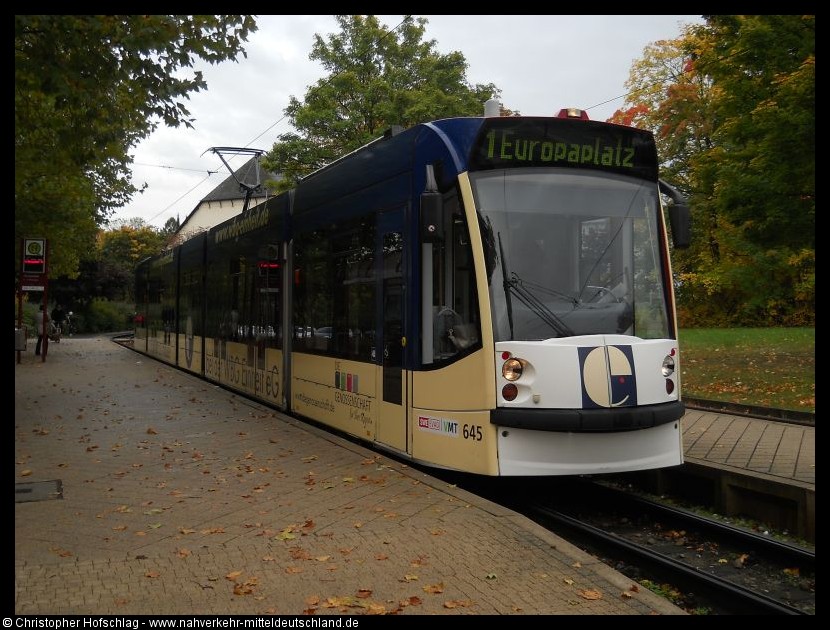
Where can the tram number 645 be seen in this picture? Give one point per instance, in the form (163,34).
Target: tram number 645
(471,432)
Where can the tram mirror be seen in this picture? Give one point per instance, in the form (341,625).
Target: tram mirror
(681,225)
(432,223)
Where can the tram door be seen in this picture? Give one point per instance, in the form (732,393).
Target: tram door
(391,427)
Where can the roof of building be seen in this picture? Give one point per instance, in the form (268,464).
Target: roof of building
(249,173)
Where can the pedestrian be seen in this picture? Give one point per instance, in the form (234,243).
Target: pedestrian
(58,316)
(41,322)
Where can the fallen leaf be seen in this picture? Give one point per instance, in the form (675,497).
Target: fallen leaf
(590,594)
(626,595)
(119,528)
(455,603)
(242,589)
(152,574)
(182,553)
(214,530)
(434,588)
(577,565)
(364,593)
(233,575)
(381,556)
(152,431)
(293,570)
(298,553)
(285,535)
(634,588)
(568,581)
(408,578)
(312,600)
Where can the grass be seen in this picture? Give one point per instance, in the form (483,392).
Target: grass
(766,367)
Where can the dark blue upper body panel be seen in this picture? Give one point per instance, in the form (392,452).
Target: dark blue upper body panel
(446,141)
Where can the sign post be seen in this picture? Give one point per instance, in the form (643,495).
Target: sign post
(33,277)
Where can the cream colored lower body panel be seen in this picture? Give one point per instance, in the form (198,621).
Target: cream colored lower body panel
(161,347)
(336,392)
(460,440)
(531,453)
(237,365)
(190,353)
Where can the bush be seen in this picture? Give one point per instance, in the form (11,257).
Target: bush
(104,316)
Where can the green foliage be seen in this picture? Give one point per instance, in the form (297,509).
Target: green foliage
(87,89)
(732,105)
(377,78)
(104,316)
(764,68)
(109,269)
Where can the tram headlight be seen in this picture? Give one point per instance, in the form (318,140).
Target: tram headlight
(512,369)
(668,366)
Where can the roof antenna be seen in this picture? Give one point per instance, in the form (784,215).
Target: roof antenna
(249,189)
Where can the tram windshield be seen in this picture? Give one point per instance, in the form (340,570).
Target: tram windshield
(571,253)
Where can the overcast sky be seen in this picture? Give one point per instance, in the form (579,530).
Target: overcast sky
(541,63)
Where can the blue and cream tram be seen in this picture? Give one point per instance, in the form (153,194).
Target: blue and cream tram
(491,295)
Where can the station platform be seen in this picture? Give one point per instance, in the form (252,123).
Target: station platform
(784,452)
(143,490)
(763,469)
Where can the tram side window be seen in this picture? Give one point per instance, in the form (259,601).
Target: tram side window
(456,323)
(334,298)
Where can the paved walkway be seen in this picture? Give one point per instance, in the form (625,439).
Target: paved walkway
(167,495)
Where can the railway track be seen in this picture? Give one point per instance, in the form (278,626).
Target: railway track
(712,566)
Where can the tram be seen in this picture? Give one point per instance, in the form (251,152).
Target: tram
(490,295)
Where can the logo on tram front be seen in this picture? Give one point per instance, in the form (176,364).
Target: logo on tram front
(608,377)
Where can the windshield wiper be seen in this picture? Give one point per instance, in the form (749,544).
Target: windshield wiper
(539,308)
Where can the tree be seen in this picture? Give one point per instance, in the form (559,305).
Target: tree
(732,106)
(764,107)
(87,89)
(109,270)
(377,78)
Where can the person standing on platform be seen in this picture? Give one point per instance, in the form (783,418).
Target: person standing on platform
(41,322)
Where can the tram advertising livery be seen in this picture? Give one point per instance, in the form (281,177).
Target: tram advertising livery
(491,295)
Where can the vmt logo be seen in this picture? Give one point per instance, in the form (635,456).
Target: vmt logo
(608,377)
